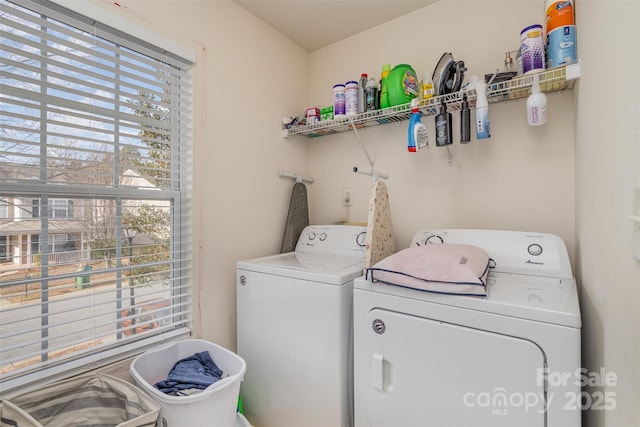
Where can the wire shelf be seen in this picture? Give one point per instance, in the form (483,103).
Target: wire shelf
(551,81)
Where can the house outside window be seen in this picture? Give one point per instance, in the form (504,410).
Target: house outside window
(95,188)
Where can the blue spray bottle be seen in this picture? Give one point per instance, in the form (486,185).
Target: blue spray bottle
(418,136)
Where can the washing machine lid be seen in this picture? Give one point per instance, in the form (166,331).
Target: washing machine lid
(325,268)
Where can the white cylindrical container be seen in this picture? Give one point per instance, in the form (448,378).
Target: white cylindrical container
(338,101)
(351,98)
(561,46)
(536,104)
(532,46)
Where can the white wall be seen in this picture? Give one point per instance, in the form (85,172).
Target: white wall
(607,169)
(246,77)
(522,178)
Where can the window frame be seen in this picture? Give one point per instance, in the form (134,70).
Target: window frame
(122,29)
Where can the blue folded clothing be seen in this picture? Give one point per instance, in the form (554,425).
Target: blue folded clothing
(198,371)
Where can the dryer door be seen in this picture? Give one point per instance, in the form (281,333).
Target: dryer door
(424,372)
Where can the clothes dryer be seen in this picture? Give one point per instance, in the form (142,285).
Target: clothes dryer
(294,328)
(509,359)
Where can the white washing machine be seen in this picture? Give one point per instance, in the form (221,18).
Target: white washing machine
(295,330)
(509,359)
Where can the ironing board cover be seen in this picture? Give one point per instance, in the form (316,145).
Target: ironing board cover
(297,217)
(379,242)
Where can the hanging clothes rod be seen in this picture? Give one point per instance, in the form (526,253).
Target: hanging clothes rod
(298,178)
(374,174)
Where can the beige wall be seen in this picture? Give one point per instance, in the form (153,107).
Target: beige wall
(572,177)
(607,170)
(246,77)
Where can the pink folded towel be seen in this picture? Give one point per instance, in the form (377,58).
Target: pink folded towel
(443,268)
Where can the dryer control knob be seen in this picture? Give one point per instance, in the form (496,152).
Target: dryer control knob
(323,237)
(312,236)
(361,239)
(434,238)
(534,249)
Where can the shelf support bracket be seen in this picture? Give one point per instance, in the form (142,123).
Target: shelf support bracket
(375,175)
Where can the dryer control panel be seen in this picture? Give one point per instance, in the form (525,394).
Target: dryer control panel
(347,240)
(519,252)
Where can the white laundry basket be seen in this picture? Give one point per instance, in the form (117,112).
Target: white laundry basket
(214,407)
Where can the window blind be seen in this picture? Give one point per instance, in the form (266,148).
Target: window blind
(95,185)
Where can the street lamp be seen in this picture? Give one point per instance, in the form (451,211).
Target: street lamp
(130,233)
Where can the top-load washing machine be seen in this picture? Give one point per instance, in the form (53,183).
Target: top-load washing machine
(294,330)
(511,358)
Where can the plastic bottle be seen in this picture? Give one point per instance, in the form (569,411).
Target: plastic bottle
(443,127)
(338,101)
(351,98)
(426,86)
(465,121)
(361,89)
(482,111)
(371,95)
(384,96)
(418,136)
(402,85)
(536,104)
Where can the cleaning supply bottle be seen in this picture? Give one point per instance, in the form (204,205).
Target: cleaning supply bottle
(338,101)
(402,85)
(443,127)
(371,95)
(482,111)
(351,98)
(362,83)
(418,136)
(536,104)
(384,96)
(465,121)
(426,86)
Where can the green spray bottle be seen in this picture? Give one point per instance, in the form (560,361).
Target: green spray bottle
(384,95)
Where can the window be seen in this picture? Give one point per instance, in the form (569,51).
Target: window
(58,208)
(4,209)
(3,248)
(95,180)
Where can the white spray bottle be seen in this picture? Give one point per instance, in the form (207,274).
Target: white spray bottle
(482,109)
(536,104)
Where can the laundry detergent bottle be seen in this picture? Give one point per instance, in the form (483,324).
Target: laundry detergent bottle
(418,136)
(402,85)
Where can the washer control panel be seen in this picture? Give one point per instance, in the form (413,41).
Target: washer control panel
(348,240)
(538,254)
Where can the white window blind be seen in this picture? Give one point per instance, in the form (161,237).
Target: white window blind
(95,184)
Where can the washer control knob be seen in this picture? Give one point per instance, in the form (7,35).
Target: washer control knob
(361,239)
(312,236)
(323,237)
(434,238)
(534,249)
